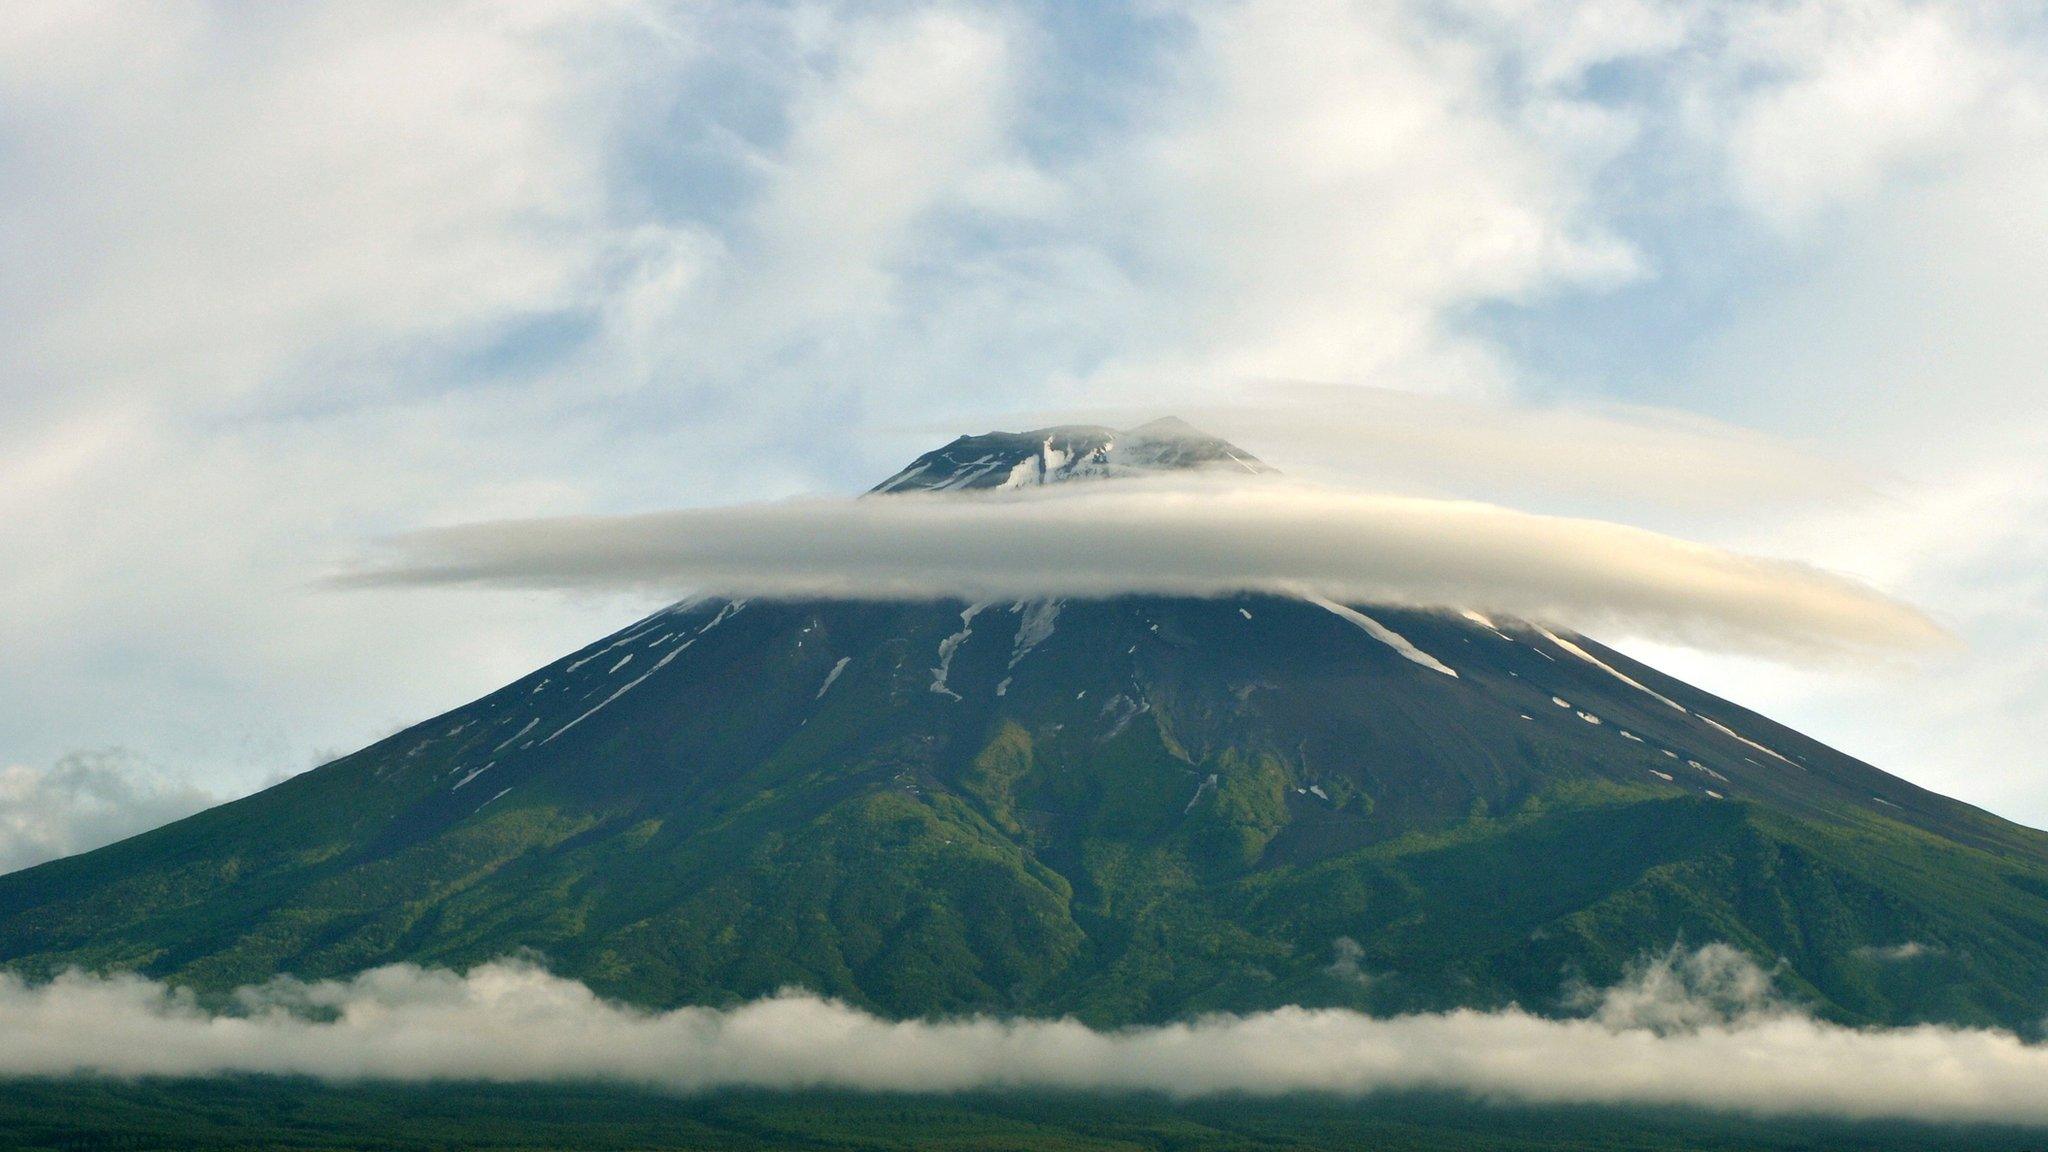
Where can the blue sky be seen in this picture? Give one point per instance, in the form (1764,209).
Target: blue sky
(277,281)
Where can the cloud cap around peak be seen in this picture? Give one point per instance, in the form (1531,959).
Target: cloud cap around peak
(1196,533)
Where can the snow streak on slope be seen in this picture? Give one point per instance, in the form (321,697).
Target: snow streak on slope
(1604,666)
(833,675)
(1384,635)
(1034,628)
(628,686)
(1726,730)
(950,645)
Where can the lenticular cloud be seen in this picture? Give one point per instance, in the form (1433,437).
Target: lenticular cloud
(1199,537)
(1696,1028)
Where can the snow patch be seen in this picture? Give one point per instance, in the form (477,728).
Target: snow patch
(628,686)
(1486,622)
(1385,635)
(732,608)
(516,735)
(970,473)
(950,645)
(832,675)
(1205,786)
(1746,740)
(473,774)
(1039,617)
(1040,467)
(903,477)
(1122,710)
(1610,669)
(628,638)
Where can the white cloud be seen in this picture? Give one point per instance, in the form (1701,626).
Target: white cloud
(275,279)
(256,192)
(1697,1030)
(301,252)
(1858,93)
(894,123)
(83,801)
(1321,184)
(1561,40)
(1898,151)
(1639,461)
(238,253)
(1200,537)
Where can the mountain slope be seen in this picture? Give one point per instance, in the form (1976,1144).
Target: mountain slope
(1129,809)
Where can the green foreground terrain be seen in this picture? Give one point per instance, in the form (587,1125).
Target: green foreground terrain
(270,1114)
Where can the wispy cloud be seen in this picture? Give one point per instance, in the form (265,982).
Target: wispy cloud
(1637,457)
(1690,1029)
(345,268)
(1204,536)
(83,801)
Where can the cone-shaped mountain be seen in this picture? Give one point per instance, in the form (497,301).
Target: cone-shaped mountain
(1128,809)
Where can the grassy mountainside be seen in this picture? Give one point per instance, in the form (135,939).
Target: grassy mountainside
(273,1114)
(1130,810)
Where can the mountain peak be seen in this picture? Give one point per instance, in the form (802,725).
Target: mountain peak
(1069,452)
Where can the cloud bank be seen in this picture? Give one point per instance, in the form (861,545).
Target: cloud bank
(1696,1029)
(1184,537)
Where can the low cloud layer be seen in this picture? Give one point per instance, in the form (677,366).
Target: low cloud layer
(1185,537)
(1690,1029)
(83,801)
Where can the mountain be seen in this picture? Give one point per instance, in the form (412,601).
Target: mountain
(1127,809)
(1073,452)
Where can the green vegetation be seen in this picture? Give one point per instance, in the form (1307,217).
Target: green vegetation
(1171,807)
(277,1115)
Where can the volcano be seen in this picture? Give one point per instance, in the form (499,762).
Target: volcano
(1125,809)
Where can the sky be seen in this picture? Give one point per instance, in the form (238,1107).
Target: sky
(280,282)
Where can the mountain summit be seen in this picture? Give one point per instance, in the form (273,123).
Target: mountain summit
(1127,809)
(1069,452)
